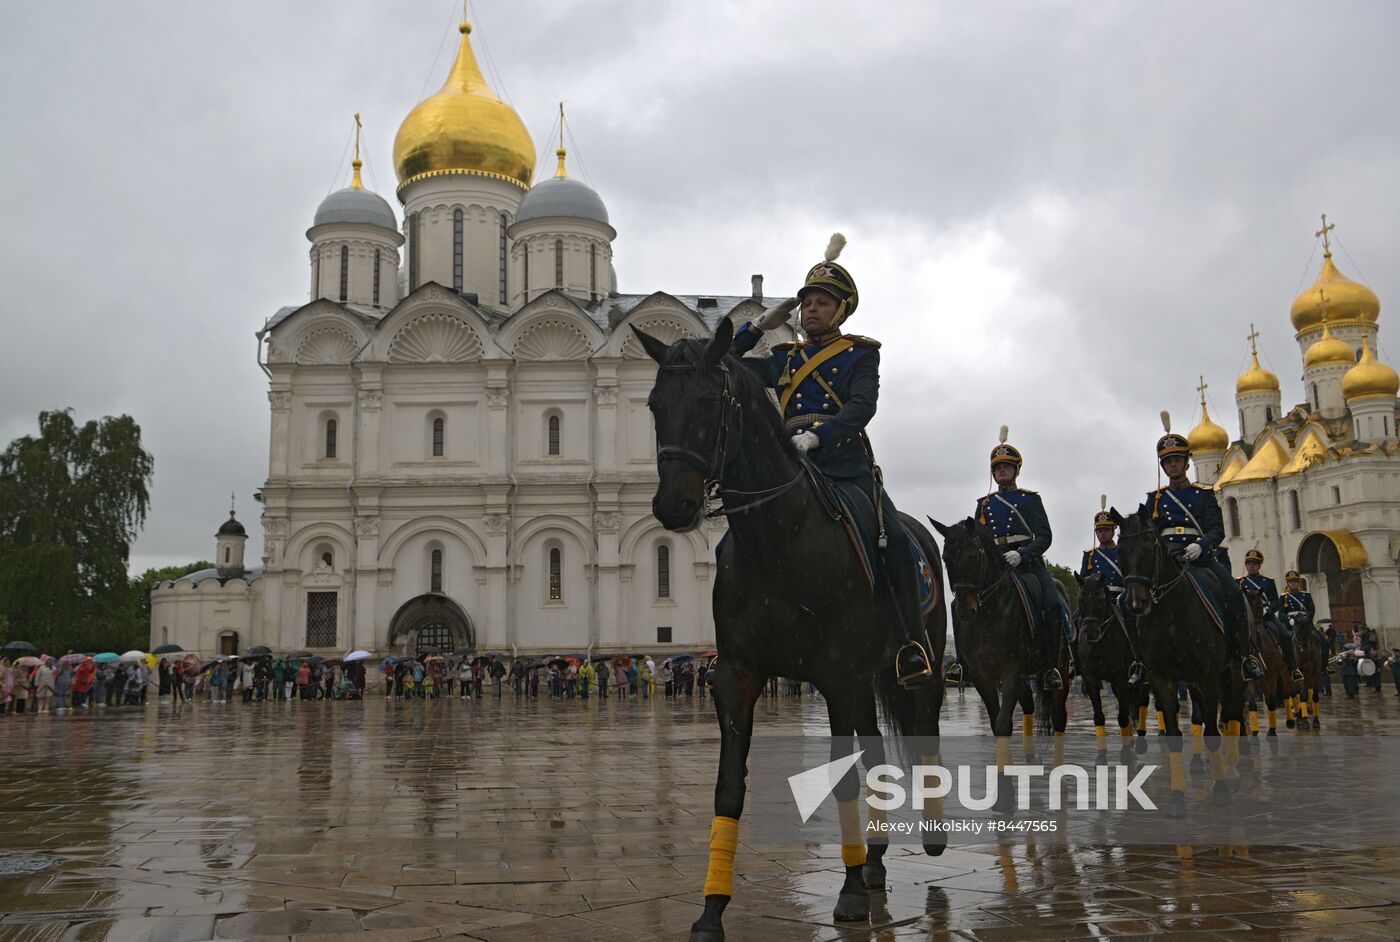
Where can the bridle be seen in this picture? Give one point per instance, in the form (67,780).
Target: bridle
(728,412)
(1155,592)
(982,593)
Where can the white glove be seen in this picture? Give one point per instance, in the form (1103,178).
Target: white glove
(1013,558)
(805,441)
(775,315)
(1192,552)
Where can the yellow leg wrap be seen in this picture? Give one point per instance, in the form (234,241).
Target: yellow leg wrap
(1142,719)
(852,837)
(1288,707)
(1101,731)
(724,840)
(1059,750)
(1185,852)
(1027,725)
(1217,765)
(1003,753)
(1126,732)
(1198,729)
(1254,721)
(1232,728)
(1232,742)
(1273,719)
(1008,873)
(1178,771)
(1161,722)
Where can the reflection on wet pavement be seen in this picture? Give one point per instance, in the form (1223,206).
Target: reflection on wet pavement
(499,820)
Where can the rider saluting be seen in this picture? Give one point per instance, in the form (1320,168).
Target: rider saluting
(827,389)
(1255,581)
(1018,523)
(1188,517)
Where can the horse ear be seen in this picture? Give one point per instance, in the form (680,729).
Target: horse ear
(969,525)
(1078,578)
(1117,517)
(942,530)
(719,344)
(655,349)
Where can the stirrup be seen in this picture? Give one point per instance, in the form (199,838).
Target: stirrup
(1297,676)
(914,678)
(1137,674)
(1251,661)
(1053,680)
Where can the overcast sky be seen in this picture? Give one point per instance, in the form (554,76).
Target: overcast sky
(1059,214)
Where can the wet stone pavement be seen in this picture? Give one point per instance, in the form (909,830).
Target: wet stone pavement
(500,820)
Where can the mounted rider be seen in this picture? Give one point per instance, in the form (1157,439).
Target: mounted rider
(1018,523)
(1189,520)
(1103,560)
(1297,608)
(827,387)
(1255,581)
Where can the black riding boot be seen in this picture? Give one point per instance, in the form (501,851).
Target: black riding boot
(1290,654)
(1250,668)
(911,663)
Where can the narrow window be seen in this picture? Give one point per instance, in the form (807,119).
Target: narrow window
(330,438)
(316,275)
(1317,402)
(413,253)
(558,263)
(525,286)
(439,427)
(1295,512)
(437,571)
(457,250)
(376,277)
(502,254)
(553,435)
(1385,423)
(663,571)
(344,272)
(226,555)
(556,575)
(1268,413)
(593,273)
(1232,507)
(1336,495)
(1241,423)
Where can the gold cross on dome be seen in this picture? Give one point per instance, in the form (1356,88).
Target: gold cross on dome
(1253,336)
(1326,240)
(1202,390)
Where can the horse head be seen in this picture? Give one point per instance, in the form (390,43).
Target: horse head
(695,411)
(973,563)
(1143,556)
(1095,606)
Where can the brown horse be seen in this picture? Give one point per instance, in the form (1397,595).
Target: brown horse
(1277,686)
(1311,664)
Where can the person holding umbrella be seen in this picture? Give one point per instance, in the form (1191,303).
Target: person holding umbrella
(83,678)
(44,678)
(7,685)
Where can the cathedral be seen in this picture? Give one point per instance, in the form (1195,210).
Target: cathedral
(1317,488)
(460,450)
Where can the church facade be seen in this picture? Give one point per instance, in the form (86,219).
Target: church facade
(460,451)
(1316,488)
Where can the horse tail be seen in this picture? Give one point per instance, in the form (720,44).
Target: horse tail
(897,705)
(1043,726)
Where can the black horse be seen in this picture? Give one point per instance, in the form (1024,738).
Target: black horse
(1106,654)
(994,634)
(1179,641)
(790,597)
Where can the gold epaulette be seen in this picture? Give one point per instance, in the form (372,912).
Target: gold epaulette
(1024,490)
(860,341)
(1202,487)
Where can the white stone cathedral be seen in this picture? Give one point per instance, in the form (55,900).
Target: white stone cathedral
(460,449)
(1317,488)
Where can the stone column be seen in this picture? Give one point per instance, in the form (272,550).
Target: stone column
(493,624)
(279,443)
(607,523)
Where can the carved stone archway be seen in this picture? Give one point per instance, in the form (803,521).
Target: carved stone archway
(430,621)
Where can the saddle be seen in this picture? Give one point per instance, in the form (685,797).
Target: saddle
(848,502)
(1028,592)
(1207,589)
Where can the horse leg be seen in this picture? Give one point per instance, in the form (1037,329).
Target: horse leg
(853,903)
(1210,712)
(928,704)
(877,841)
(1164,690)
(1001,728)
(1100,721)
(735,693)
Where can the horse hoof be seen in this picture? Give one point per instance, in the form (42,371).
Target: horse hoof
(1176,805)
(1125,755)
(935,845)
(1006,797)
(852,907)
(699,933)
(1304,724)
(1290,723)
(1317,724)
(873,876)
(1198,764)
(1220,794)
(1140,746)
(1273,733)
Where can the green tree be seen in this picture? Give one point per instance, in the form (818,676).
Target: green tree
(141,596)
(72,501)
(1066,577)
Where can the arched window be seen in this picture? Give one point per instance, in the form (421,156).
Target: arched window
(330,438)
(327,556)
(1232,509)
(435,584)
(1295,512)
(1268,413)
(553,443)
(344,272)
(376,277)
(439,436)
(593,272)
(227,555)
(663,571)
(558,263)
(505,224)
(457,249)
(1241,423)
(1317,403)
(556,574)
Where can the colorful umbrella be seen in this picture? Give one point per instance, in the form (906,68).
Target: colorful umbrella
(74,658)
(710,654)
(357,656)
(106,657)
(28,660)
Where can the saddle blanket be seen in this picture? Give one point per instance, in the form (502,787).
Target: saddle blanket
(857,515)
(1207,592)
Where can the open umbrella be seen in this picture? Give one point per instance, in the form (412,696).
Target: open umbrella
(134,656)
(316,660)
(259,650)
(710,654)
(168,649)
(106,657)
(28,660)
(299,654)
(464,650)
(681,658)
(600,657)
(19,646)
(73,658)
(357,656)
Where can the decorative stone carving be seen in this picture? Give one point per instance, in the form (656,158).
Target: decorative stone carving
(367,527)
(496,523)
(435,338)
(280,401)
(326,345)
(274,528)
(371,399)
(665,329)
(608,520)
(717,523)
(497,396)
(606,395)
(552,339)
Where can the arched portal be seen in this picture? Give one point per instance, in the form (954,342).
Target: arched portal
(431,622)
(1339,556)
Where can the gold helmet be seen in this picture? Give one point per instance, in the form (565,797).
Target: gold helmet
(1004,453)
(1171,443)
(832,278)
(1103,518)
(1254,555)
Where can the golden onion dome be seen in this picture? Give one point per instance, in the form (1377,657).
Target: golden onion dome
(1336,297)
(1370,377)
(1207,436)
(1256,379)
(1328,349)
(464,128)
